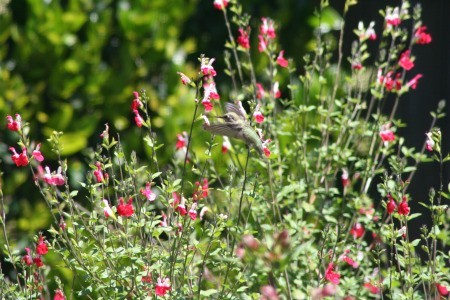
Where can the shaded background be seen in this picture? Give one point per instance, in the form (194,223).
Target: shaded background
(72,66)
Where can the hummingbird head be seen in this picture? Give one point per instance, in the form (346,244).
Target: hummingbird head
(231,117)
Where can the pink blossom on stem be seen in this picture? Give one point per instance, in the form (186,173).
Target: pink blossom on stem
(14,125)
(345,178)
(37,153)
(125,209)
(403,208)
(53,178)
(357,231)
(193,211)
(99,173)
(421,37)
(391,206)
(265,148)
(38,261)
(21,160)
(203,212)
(107,211)
(373,289)
(41,247)
(430,143)
(262,44)
(283,62)
(105,133)
(137,118)
(368,33)
(386,134)
(206,66)
(137,103)
(27,257)
(148,193)
(164,220)
(267,28)
(220,4)
(259,117)
(207,104)
(211,91)
(226,145)
(413,82)
(331,275)
(243,38)
(276,90)
(181,208)
(184,79)
(405,61)
(182,140)
(259,91)
(393,17)
(162,286)
(442,290)
(59,295)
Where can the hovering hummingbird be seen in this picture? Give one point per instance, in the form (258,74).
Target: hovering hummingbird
(235,125)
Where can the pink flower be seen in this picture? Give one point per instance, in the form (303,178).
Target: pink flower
(137,118)
(386,134)
(105,133)
(403,208)
(421,37)
(413,82)
(148,193)
(98,173)
(164,220)
(125,209)
(107,211)
(27,257)
(38,261)
(203,212)
(368,33)
(259,91)
(442,290)
(41,247)
(184,79)
(262,44)
(243,38)
(405,61)
(210,91)
(206,66)
(226,145)
(356,66)
(59,295)
(37,153)
(220,4)
(357,231)
(392,17)
(373,289)
(388,81)
(281,60)
(275,90)
(265,148)
(259,117)
(344,178)
(350,261)
(207,104)
(53,179)
(430,143)
(391,205)
(181,140)
(331,275)
(268,292)
(181,208)
(136,104)
(162,286)
(267,28)
(14,125)
(21,160)
(193,212)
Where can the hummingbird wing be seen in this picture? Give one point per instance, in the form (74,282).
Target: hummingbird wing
(224,129)
(230,107)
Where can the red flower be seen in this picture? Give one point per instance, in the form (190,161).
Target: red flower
(181,140)
(403,208)
(421,37)
(243,38)
(136,104)
(207,105)
(193,212)
(357,230)
(372,288)
(137,118)
(430,143)
(405,61)
(125,210)
(281,60)
(27,257)
(220,4)
(162,286)
(262,44)
(59,295)
(41,247)
(386,134)
(331,275)
(344,178)
(259,91)
(392,17)
(98,173)
(226,145)
(21,160)
(37,153)
(350,261)
(53,179)
(206,66)
(38,261)
(181,208)
(14,125)
(391,205)
(413,82)
(442,290)
(275,90)
(267,28)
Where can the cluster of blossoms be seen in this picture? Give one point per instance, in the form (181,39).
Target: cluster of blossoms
(41,249)
(22,159)
(402,208)
(137,104)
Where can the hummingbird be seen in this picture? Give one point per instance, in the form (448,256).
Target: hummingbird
(236,126)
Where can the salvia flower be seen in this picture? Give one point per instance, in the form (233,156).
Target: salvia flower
(59,295)
(193,211)
(226,145)
(148,193)
(259,91)
(357,231)
(27,257)
(99,173)
(181,140)
(206,66)
(38,261)
(105,133)
(41,247)
(125,209)
(21,160)
(137,118)
(276,90)
(430,142)
(137,103)
(107,211)
(331,275)
(262,44)
(243,38)
(386,134)
(184,79)
(259,117)
(413,82)
(162,286)
(442,290)
(37,153)
(53,178)
(220,4)
(181,208)
(266,149)
(391,206)
(14,125)
(211,91)
(373,289)
(345,178)
(403,208)
(368,33)
(164,220)
(392,17)
(267,28)
(283,62)
(203,211)
(421,37)
(405,61)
